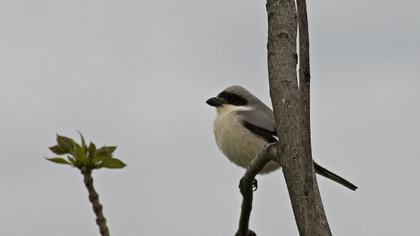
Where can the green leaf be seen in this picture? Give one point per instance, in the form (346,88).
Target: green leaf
(107,162)
(105,151)
(91,150)
(79,154)
(82,141)
(100,158)
(72,160)
(58,150)
(58,160)
(111,163)
(65,143)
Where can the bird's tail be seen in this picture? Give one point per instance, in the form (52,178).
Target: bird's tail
(328,174)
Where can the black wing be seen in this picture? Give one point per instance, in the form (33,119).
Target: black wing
(260,123)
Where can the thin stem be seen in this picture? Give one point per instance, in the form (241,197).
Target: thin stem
(94,199)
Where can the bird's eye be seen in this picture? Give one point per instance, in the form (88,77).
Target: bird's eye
(233,99)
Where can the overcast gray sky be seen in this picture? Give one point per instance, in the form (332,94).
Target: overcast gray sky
(136,74)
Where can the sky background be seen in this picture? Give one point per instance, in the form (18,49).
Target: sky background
(137,73)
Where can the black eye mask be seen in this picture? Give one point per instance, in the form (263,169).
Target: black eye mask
(233,99)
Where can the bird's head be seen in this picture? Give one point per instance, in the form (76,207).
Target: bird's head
(232,98)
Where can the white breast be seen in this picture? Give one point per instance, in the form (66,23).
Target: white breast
(238,143)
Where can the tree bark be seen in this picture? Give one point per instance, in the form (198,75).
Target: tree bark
(291,110)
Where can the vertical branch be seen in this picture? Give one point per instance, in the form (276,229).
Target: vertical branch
(292,123)
(304,66)
(304,74)
(305,138)
(282,61)
(94,199)
(304,70)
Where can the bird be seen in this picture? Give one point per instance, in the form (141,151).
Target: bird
(244,125)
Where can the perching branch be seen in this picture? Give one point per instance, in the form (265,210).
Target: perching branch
(291,111)
(247,183)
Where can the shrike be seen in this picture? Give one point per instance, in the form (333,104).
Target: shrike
(244,125)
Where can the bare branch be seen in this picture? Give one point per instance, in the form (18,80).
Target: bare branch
(247,183)
(305,135)
(292,116)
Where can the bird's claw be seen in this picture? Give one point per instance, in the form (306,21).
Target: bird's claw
(254,185)
(243,183)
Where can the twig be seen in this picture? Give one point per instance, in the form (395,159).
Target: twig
(87,158)
(94,199)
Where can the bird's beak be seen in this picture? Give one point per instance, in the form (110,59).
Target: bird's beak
(215,102)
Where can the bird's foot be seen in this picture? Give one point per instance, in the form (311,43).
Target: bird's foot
(254,185)
(245,184)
